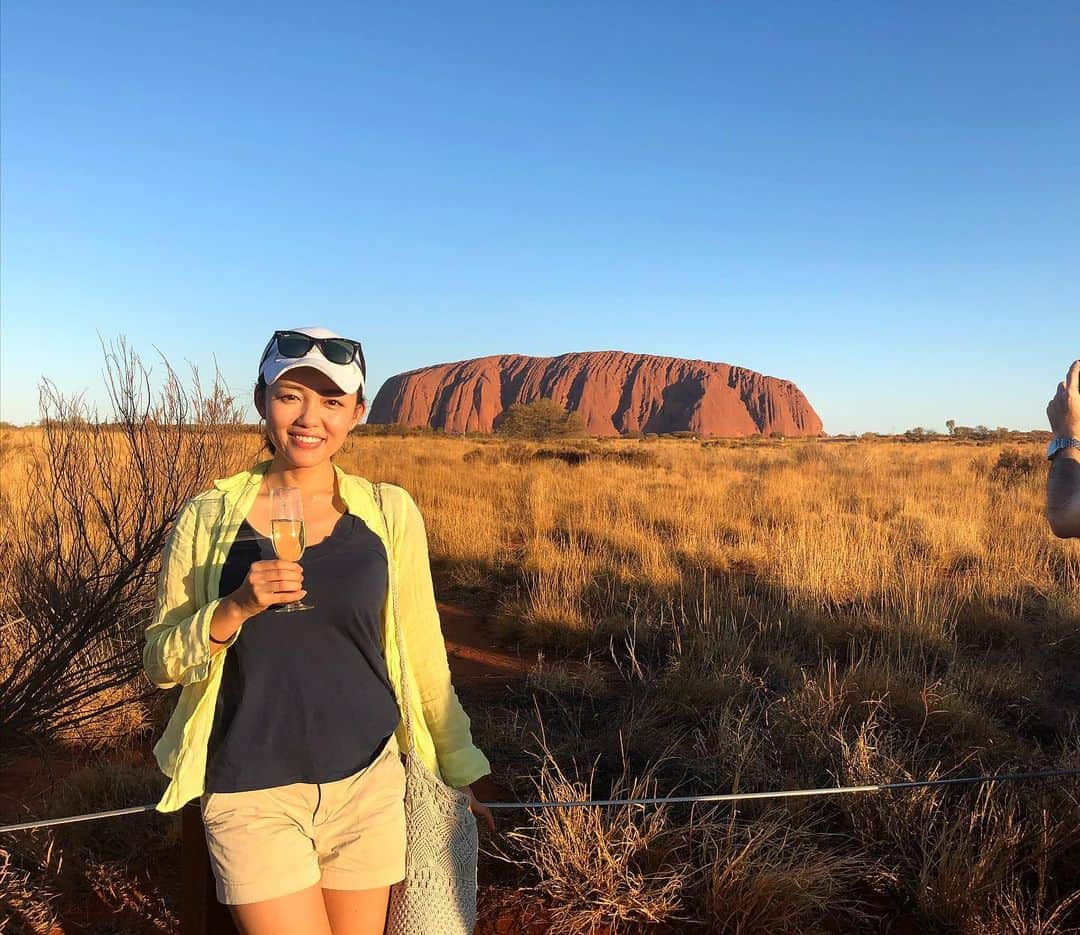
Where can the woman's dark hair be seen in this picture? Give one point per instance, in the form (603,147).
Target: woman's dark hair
(260,387)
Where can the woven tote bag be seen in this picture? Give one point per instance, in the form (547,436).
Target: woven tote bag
(438,894)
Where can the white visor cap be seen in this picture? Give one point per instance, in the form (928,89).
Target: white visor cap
(348,377)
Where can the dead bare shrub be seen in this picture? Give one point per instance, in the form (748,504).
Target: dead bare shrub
(100,495)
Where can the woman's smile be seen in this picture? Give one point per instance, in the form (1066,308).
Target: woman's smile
(307,442)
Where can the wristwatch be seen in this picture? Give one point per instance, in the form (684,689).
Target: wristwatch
(1060,444)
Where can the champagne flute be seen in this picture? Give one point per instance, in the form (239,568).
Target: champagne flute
(287,532)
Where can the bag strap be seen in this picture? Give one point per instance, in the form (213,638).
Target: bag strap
(403,703)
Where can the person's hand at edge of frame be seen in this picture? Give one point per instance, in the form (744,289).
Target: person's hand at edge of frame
(1064,409)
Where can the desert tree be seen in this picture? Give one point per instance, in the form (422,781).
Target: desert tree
(540,419)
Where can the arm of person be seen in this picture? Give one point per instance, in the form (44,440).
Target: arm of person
(1063,484)
(1063,494)
(460,761)
(177,648)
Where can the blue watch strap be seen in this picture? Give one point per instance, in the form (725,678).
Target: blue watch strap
(1060,444)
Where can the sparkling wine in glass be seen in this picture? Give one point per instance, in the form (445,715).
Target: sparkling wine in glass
(287,532)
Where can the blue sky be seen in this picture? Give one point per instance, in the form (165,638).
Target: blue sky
(879,201)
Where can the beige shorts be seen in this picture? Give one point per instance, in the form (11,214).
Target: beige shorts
(346,835)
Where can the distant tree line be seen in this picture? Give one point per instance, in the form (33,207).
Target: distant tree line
(979,433)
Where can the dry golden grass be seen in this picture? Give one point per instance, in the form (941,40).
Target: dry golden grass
(905,536)
(773,614)
(793,614)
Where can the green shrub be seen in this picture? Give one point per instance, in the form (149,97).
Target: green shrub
(541,419)
(1014,466)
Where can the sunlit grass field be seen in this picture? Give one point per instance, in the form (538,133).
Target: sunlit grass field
(780,615)
(724,616)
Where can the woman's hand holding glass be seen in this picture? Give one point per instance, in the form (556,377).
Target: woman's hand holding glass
(269,582)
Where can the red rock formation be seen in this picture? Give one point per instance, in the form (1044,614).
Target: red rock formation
(614,393)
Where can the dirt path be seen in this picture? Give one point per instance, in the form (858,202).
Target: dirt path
(477,663)
(471,647)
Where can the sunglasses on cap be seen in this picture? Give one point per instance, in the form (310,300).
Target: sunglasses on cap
(336,350)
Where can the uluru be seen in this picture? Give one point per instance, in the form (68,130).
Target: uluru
(614,393)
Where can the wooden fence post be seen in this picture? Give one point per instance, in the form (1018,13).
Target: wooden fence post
(200,911)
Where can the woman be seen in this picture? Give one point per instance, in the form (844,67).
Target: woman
(287,725)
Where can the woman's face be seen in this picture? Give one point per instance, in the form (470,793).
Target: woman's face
(307,416)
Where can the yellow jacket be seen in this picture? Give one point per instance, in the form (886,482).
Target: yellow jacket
(177,648)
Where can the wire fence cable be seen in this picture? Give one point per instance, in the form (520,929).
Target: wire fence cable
(658,800)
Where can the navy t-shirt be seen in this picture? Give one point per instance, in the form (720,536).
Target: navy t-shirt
(305,696)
